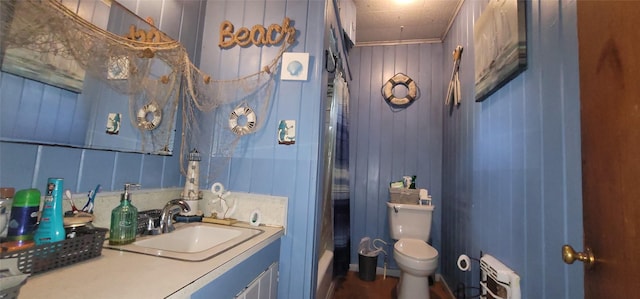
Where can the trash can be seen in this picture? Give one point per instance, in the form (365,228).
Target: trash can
(367,266)
(367,260)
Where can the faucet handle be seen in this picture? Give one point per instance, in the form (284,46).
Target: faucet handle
(150,224)
(151,228)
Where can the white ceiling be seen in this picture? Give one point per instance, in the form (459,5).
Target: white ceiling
(390,22)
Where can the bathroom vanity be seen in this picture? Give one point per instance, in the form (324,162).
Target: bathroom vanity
(120,274)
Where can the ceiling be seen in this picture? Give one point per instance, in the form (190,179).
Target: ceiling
(391,22)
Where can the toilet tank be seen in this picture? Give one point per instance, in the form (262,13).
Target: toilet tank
(409,221)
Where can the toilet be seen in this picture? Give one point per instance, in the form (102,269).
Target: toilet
(410,225)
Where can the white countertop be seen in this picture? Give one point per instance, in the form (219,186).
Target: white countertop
(118,274)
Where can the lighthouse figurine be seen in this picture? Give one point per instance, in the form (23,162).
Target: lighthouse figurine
(191,194)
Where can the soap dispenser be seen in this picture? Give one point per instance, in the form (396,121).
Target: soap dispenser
(124,219)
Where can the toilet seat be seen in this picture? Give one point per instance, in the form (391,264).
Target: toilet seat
(415,249)
(415,257)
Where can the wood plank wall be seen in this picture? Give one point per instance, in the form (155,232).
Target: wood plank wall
(388,143)
(258,164)
(511,164)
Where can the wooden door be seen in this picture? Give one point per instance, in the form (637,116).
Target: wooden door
(609,49)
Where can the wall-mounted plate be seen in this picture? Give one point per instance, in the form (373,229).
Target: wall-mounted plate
(113,123)
(295,66)
(287,132)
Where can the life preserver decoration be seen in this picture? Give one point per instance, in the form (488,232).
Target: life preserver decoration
(249,122)
(156,118)
(400,79)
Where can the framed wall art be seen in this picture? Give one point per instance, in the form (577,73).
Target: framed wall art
(500,45)
(54,66)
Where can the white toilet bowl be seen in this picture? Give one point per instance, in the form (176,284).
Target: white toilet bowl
(416,260)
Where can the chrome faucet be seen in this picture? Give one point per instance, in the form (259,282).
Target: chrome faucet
(166,226)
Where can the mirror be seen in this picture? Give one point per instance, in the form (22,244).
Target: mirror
(92,75)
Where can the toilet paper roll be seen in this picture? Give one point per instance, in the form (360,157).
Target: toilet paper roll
(256,218)
(217,188)
(464,263)
(423,193)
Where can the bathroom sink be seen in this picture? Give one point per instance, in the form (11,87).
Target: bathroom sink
(190,241)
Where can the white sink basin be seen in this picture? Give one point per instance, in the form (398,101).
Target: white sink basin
(190,241)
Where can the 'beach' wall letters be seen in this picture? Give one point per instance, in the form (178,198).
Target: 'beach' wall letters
(257,35)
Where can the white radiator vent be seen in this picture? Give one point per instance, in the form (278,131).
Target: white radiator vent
(498,281)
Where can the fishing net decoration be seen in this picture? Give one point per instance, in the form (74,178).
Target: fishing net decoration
(157,71)
(220,98)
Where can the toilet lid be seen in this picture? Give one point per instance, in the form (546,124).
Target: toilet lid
(416,249)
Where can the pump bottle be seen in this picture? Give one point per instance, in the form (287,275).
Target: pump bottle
(124,219)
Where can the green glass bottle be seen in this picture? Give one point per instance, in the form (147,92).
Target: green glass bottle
(124,220)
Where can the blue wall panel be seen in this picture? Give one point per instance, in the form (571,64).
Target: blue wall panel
(258,164)
(18,164)
(10,86)
(511,164)
(389,143)
(96,167)
(502,172)
(57,162)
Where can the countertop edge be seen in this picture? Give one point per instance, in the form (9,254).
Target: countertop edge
(218,271)
(118,274)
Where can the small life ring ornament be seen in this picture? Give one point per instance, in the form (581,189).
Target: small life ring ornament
(400,79)
(249,122)
(156,113)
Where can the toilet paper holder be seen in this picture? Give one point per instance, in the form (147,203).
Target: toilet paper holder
(464,262)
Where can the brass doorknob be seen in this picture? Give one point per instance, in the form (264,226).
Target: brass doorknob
(569,256)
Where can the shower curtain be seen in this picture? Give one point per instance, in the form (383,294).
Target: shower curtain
(340,191)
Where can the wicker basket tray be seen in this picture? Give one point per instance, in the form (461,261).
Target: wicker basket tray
(404,196)
(50,256)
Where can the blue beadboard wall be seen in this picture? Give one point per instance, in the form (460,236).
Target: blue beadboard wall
(502,172)
(511,164)
(26,165)
(386,143)
(258,163)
